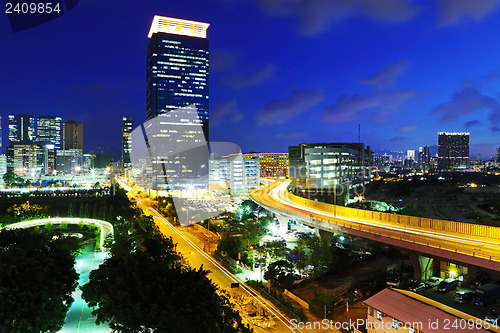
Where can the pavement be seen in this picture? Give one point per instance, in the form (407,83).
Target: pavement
(79,317)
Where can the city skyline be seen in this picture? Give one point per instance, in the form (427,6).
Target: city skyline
(420,70)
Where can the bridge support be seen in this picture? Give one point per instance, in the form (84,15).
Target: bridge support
(283,220)
(423,267)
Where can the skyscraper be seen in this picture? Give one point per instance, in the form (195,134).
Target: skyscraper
(72,135)
(21,128)
(177,77)
(453,150)
(127,127)
(48,129)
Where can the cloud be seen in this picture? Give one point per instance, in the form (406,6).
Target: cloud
(315,16)
(221,60)
(351,107)
(452,11)
(465,101)
(406,129)
(226,111)
(387,76)
(250,78)
(278,111)
(399,138)
(292,135)
(472,123)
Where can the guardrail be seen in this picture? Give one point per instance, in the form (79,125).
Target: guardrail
(479,232)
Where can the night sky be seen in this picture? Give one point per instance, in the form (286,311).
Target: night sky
(282,72)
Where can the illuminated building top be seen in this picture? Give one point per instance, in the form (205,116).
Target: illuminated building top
(178,27)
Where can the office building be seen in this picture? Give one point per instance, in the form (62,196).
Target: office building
(48,130)
(240,172)
(127,127)
(329,165)
(69,161)
(272,165)
(497,159)
(72,135)
(21,128)
(410,155)
(453,150)
(3,165)
(1,135)
(177,77)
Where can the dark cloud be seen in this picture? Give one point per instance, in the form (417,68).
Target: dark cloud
(466,101)
(452,11)
(472,123)
(495,128)
(387,76)
(224,112)
(221,60)
(491,76)
(250,77)
(314,16)
(352,107)
(406,129)
(278,111)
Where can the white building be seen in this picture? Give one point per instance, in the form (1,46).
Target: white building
(240,172)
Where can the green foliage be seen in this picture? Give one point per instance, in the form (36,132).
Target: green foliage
(10,177)
(231,245)
(71,210)
(412,211)
(281,273)
(37,279)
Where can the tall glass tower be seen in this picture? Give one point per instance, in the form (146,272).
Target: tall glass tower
(48,129)
(177,103)
(127,127)
(21,128)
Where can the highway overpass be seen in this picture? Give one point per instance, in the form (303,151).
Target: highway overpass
(465,243)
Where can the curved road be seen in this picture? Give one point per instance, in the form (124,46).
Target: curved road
(277,198)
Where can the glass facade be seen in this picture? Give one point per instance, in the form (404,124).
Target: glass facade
(177,77)
(127,127)
(21,128)
(48,129)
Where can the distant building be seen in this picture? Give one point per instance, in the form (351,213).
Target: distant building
(127,127)
(329,165)
(403,311)
(72,135)
(239,171)
(48,129)
(272,165)
(3,165)
(69,161)
(497,159)
(410,155)
(177,77)
(21,128)
(453,151)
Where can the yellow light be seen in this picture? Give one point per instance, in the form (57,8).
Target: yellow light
(178,27)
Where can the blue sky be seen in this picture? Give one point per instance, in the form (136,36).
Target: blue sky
(282,72)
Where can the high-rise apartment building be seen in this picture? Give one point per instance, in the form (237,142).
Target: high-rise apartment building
(127,127)
(239,171)
(48,129)
(177,77)
(453,150)
(272,165)
(72,135)
(21,128)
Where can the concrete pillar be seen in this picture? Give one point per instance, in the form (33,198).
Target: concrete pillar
(422,266)
(283,220)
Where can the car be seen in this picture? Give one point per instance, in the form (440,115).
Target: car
(493,319)
(417,287)
(463,296)
(433,281)
(447,285)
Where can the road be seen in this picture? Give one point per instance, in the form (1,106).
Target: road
(277,198)
(218,274)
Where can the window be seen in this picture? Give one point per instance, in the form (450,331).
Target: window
(458,266)
(379,315)
(394,323)
(411,330)
(448,264)
(370,311)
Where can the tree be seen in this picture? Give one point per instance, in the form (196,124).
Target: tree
(231,245)
(282,273)
(71,210)
(37,279)
(10,177)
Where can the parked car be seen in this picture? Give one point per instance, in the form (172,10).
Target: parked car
(447,285)
(418,286)
(486,294)
(432,281)
(463,296)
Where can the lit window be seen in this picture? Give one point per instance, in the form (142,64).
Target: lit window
(394,323)
(379,315)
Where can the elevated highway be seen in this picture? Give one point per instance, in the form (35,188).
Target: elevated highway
(465,243)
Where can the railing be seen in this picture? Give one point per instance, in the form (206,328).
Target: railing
(405,223)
